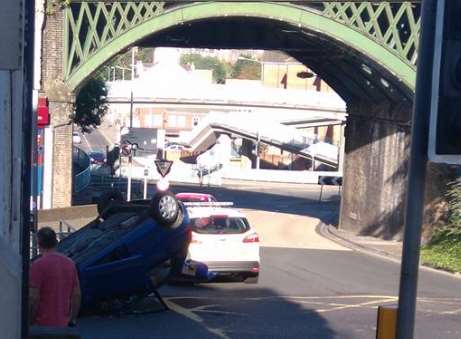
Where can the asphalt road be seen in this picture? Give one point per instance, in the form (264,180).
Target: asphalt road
(93,142)
(309,287)
(301,294)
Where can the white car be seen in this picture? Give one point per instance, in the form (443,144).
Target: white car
(223,239)
(76,139)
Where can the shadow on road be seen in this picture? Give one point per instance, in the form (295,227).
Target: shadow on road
(280,202)
(209,312)
(291,201)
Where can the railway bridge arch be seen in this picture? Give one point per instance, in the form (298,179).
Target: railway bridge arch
(365,50)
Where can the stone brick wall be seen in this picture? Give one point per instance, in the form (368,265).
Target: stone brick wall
(375,170)
(60,104)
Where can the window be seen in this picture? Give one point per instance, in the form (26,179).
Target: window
(181,121)
(172,120)
(220,225)
(157,120)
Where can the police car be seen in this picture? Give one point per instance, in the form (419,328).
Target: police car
(223,239)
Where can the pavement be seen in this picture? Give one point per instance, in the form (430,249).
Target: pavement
(384,249)
(391,249)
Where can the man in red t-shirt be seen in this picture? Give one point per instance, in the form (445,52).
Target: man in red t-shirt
(54,289)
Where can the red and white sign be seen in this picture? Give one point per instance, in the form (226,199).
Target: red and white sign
(43,113)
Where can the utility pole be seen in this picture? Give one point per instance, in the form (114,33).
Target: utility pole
(417,175)
(130,173)
(132,63)
(131,109)
(258,160)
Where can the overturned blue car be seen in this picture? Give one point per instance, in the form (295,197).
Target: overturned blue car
(130,249)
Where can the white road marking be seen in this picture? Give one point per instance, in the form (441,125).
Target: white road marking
(452,312)
(328,306)
(188,313)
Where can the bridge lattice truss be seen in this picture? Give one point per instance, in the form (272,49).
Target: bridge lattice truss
(91,25)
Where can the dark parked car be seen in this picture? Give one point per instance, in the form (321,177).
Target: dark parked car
(97,158)
(131,248)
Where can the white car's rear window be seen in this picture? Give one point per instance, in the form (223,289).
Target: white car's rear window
(220,225)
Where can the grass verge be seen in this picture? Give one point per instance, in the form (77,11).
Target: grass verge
(444,252)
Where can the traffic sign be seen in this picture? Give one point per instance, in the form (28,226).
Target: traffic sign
(330,180)
(163,167)
(445,121)
(126,149)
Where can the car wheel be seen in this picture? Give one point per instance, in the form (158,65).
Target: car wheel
(166,209)
(107,198)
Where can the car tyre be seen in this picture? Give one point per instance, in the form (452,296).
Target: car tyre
(166,209)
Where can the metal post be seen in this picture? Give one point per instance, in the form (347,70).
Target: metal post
(258,160)
(145,183)
(128,188)
(132,63)
(29,120)
(131,110)
(341,149)
(417,174)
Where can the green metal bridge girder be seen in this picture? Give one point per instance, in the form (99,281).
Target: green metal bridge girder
(385,32)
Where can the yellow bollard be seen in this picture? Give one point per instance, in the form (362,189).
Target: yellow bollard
(387,322)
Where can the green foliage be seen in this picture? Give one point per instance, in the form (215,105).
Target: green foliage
(444,249)
(52,6)
(207,62)
(246,68)
(146,55)
(90,105)
(454,205)
(444,253)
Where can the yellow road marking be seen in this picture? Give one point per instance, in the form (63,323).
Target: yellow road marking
(194,317)
(329,303)
(340,308)
(452,312)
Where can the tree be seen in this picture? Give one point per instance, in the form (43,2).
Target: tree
(206,62)
(246,69)
(90,105)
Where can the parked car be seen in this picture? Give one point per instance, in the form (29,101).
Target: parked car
(130,249)
(97,158)
(76,139)
(195,197)
(223,239)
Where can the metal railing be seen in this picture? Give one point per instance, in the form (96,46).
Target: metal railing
(65,229)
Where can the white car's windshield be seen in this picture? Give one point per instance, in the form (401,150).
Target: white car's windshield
(220,225)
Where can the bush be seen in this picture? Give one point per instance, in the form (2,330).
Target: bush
(444,249)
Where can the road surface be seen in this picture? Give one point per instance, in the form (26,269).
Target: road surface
(309,287)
